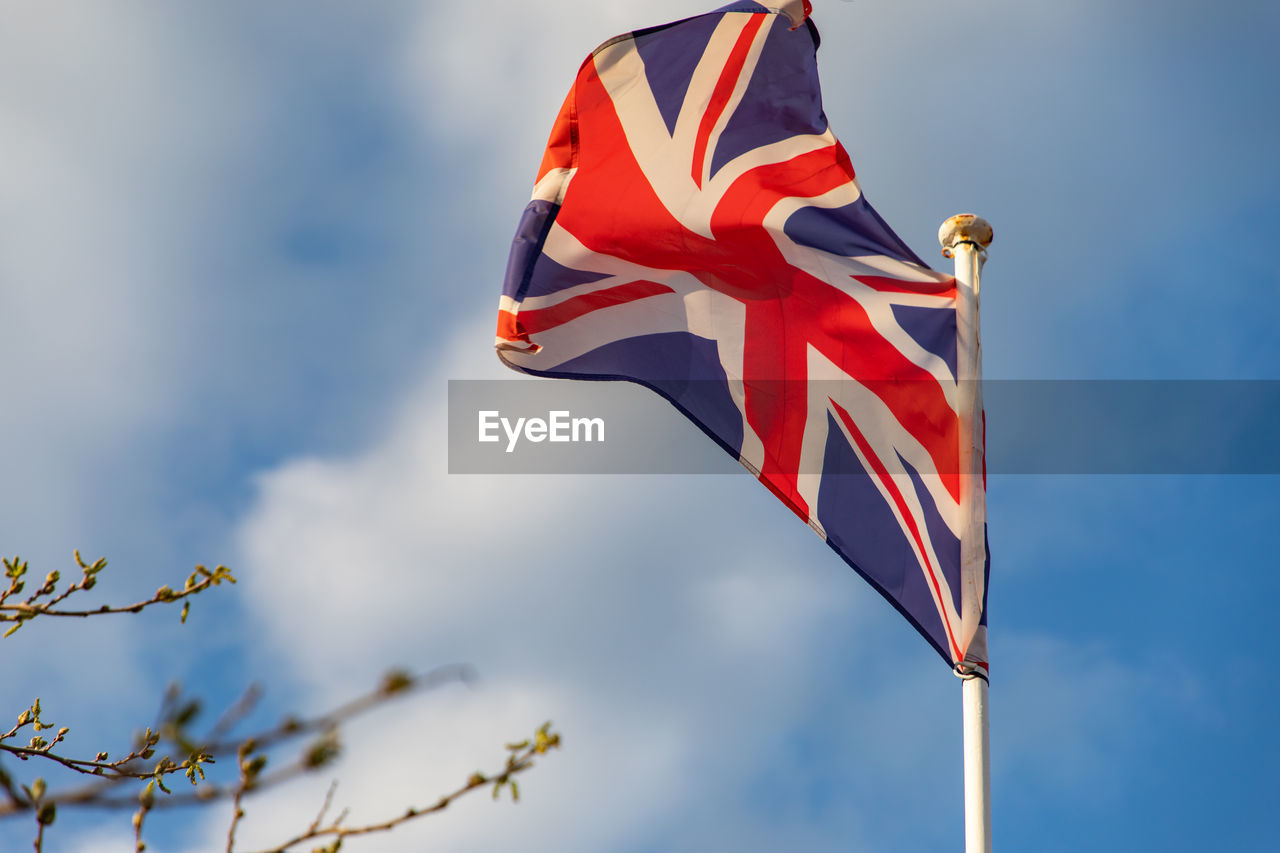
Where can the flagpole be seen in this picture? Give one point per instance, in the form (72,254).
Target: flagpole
(965,239)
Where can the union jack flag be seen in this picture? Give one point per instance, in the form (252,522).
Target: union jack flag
(698,229)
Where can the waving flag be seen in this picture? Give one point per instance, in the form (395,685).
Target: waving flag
(697,228)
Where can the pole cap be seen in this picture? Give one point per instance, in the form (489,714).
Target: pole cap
(964,228)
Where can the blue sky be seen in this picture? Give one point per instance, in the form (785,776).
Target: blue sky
(244,246)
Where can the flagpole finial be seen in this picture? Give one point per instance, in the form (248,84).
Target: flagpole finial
(964,228)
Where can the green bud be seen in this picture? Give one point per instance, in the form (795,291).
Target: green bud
(396,681)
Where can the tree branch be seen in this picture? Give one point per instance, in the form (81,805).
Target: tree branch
(205,750)
(520,759)
(28,609)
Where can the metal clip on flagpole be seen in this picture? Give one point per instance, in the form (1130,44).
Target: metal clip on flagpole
(965,239)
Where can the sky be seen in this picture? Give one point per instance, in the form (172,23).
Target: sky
(245,246)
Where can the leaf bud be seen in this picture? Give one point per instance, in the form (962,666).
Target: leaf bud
(396,681)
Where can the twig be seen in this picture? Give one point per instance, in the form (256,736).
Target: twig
(290,729)
(144,806)
(31,607)
(393,684)
(6,783)
(236,713)
(520,759)
(249,771)
(324,807)
(164,595)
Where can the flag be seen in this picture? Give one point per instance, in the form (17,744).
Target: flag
(696,228)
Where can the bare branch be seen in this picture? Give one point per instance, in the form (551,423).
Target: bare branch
(520,759)
(234,714)
(136,765)
(249,770)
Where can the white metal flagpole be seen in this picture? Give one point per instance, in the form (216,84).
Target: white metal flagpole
(965,238)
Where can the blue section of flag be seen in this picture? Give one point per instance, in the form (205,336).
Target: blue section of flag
(948,558)
(862,529)
(683,368)
(930,327)
(785,102)
(853,230)
(526,248)
(670,55)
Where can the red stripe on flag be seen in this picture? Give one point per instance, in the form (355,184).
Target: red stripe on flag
(562,145)
(508,329)
(897,285)
(722,92)
(758,190)
(531,322)
(887,481)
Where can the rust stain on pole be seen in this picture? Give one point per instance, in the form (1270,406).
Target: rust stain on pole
(964,228)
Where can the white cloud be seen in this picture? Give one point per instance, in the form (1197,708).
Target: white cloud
(121,125)
(660,646)
(490,77)
(99,202)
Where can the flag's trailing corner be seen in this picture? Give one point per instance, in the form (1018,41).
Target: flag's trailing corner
(798,12)
(696,228)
